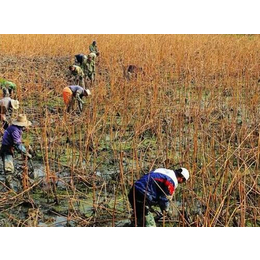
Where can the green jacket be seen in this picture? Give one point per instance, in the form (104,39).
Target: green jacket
(78,71)
(93,48)
(7,84)
(90,67)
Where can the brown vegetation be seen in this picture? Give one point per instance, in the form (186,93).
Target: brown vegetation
(196,105)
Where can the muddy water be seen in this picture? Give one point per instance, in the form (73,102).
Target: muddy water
(65,207)
(45,207)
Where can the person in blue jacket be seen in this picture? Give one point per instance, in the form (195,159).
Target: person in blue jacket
(12,140)
(154,189)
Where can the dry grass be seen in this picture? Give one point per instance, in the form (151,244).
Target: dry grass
(197,105)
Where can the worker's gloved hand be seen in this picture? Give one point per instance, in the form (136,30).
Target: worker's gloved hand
(164,206)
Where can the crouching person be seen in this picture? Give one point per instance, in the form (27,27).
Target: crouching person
(154,189)
(8,87)
(78,74)
(12,140)
(74,92)
(80,58)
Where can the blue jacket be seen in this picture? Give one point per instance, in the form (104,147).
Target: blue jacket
(13,139)
(77,89)
(157,185)
(12,135)
(79,58)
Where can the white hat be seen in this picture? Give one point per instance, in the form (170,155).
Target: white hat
(185,173)
(14,104)
(22,121)
(88,91)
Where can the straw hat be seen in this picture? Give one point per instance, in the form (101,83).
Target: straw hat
(22,121)
(14,104)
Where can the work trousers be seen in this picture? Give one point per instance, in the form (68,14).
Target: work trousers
(142,215)
(8,164)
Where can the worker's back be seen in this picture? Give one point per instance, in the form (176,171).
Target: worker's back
(76,88)
(79,58)
(5,104)
(156,184)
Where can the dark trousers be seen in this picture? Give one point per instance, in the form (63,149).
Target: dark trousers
(140,207)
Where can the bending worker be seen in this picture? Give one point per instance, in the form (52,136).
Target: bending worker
(78,73)
(154,189)
(89,68)
(12,140)
(93,56)
(6,106)
(80,58)
(8,87)
(72,92)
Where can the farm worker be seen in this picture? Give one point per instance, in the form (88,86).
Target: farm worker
(72,92)
(154,189)
(8,87)
(93,56)
(79,75)
(133,71)
(93,48)
(80,58)
(6,106)
(12,140)
(89,68)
